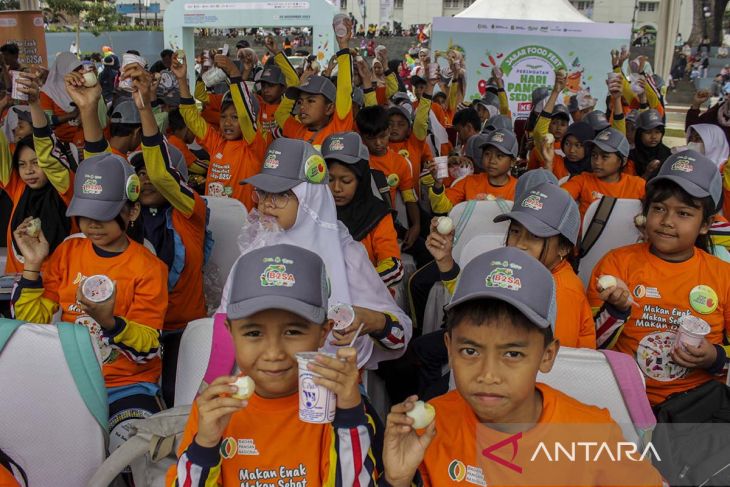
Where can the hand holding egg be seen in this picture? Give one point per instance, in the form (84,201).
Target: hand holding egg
(422,414)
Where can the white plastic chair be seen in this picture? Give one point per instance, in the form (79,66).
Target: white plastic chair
(479,245)
(45,425)
(619,231)
(192,361)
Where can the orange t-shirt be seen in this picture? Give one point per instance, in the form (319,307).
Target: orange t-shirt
(417,152)
(180,144)
(574,326)
(141,297)
(212,109)
(294,129)
(397,171)
(664,291)
(65,131)
(7,479)
(585,188)
(382,241)
(477,187)
(266,120)
(465,449)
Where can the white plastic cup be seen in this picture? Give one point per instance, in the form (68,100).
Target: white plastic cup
(692,330)
(342,314)
(338,22)
(97,288)
(613,76)
(127,59)
(316,403)
(380,48)
(442,167)
(213,76)
(16,94)
(433,71)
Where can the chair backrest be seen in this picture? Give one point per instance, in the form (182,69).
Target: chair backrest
(46,426)
(192,361)
(478,245)
(472,218)
(618,231)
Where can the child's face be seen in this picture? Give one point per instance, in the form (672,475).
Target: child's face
(29,170)
(109,235)
(315,110)
(495,366)
(282,206)
(651,138)
(271,93)
(266,347)
(399,128)
(605,165)
(23,129)
(546,250)
(495,162)
(343,184)
(148,195)
(672,227)
(419,89)
(229,124)
(558,127)
(378,69)
(377,144)
(440,99)
(482,112)
(574,149)
(464,131)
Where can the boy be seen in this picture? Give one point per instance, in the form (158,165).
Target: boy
(467,124)
(180,136)
(277,308)
(372,123)
(323,108)
(499,335)
(274,79)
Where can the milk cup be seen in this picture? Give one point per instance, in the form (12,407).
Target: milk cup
(127,59)
(213,76)
(342,314)
(16,94)
(338,22)
(691,331)
(442,167)
(97,288)
(316,403)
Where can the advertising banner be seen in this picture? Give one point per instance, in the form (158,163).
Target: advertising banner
(25,28)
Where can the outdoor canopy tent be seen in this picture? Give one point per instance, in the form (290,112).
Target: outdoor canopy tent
(553,10)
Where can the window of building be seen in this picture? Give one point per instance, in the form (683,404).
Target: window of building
(468,2)
(648,6)
(343,4)
(398,4)
(583,5)
(451,3)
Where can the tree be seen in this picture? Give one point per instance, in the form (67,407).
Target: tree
(95,16)
(707,16)
(9,4)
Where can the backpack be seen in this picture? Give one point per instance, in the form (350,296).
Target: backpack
(150,450)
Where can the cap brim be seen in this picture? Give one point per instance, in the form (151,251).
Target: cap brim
(342,158)
(294,92)
(272,81)
(602,146)
(397,111)
(270,183)
(100,210)
(652,125)
(255,305)
(685,184)
(529,313)
(502,149)
(530,222)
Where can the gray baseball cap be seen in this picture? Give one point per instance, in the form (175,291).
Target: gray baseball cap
(610,140)
(287,163)
(404,109)
(539,94)
(650,119)
(560,111)
(488,99)
(282,276)
(345,147)
(532,179)
(597,119)
(400,97)
(475,147)
(358,96)
(272,74)
(546,210)
(315,85)
(103,185)
(504,140)
(126,112)
(694,173)
(508,274)
(498,122)
(632,116)
(23,113)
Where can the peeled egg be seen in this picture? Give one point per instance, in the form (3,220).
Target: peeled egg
(89,79)
(549,139)
(640,220)
(246,387)
(445,225)
(605,282)
(491,197)
(34,227)
(422,414)
(561,72)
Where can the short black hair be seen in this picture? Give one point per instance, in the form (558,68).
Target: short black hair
(372,120)
(493,312)
(175,120)
(468,116)
(440,94)
(123,129)
(417,80)
(166,53)
(133,51)
(10,48)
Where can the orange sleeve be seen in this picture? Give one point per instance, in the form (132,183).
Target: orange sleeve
(533,161)
(608,265)
(293,129)
(7,479)
(574,186)
(149,303)
(380,95)
(457,193)
(385,241)
(212,141)
(191,428)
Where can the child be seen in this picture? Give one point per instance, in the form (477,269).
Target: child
(408,135)
(609,152)
(366,216)
(467,124)
(57,103)
(274,79)
(666,278)
(38,179)
(576,158)
(323,109)
(499,335)
(493,176)
(649,151)
(180,136)
(709,139)
(372,123)
(554,119)
(270,324)
(126,326)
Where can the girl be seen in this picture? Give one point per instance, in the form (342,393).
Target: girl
(38,180)
(710,140)
(291,191)
(366,216)
(17,124)
(554,120)
(609,152)
(58,104)
(649,151)
(576,158)
(669,277)
(127,324)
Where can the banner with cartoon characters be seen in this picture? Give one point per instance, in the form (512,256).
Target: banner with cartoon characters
(529,52)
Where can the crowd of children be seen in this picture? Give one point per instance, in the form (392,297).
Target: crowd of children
(345,180)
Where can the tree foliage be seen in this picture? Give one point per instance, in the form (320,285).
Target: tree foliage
(94,16)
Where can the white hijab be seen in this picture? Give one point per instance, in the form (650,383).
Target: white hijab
(714,140)
(353,279)
(55,87)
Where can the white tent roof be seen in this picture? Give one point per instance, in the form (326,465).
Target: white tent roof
(553,10)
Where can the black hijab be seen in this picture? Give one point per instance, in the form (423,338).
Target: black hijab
(642,154)
(583,132)
(365,211)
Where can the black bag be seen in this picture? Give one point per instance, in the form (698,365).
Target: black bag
(692,436)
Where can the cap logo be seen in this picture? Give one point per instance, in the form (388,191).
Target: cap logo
(315,169)
(272,161)
(132,188)
(533,201)
(92,185)
(504,278)
(337,145)
(604,135)
(267,72)
(683,165)
(653,116)
(276,275)
(497,137)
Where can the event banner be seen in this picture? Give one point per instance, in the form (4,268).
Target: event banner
(25,28)
(529,53)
